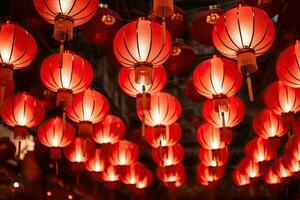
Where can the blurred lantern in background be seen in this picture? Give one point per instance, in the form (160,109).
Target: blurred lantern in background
(213,157)
(143,182)
(167,156)
(239,178)
(97,163)
(110,177)
(209,174)
(170,174)
(249,167)
(282,168)
(132,174)
(271,176)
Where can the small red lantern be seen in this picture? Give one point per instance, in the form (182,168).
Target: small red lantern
(283,100)
(97,162)
(167,156)
(145,180)
(110,175)
(170,174)
(243,33)
(142,45)
(102,28)
(210,137)
(170,137)
(88,108)
(271,176)
(133,173)
(230,118)
(292,163)
(267,124)
(110,130)
(181,59)
(214,157)
(295,148)
(209,174)
(250,168)
(205,20)
(239,178)
(52,135)
(282,168)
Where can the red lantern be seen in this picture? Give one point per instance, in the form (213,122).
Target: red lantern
(141,92)
(214,157)
(80,150)
(97,162)
(88,108)
(72,77)
(239,178)
(102,28)
(123,153)
(243,33)
(166,156)
(17,50)
(110,174)
(259,149)
(170,174)
(210,137)
(191,92)
(209,174)
(170,137)
(288,66)
(283,101)
(133,173)
(282,168)
(295,148)
(230,118)
(145,180)
(267,124)
(249,167)
(271,176)
(181,59)
(292,163)
(205,20)
(142,45)
(52,135)
(110,130)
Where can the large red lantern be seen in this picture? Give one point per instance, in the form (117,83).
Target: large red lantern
(214,157)
(142,45)
(283,100)
(249,168)
(133,173)
(110,130)
(170,137)
(88,108)
(72,77)
(52,134)
(288,66)
(271,177)
(267,124)
(17,50)
(102,28)
(97,162)
(209,174)
(239,178)
(140,91)
(210,137)
(170,174)
(243,33)
(205,20)
(227,118)
(217,78)
(166,156)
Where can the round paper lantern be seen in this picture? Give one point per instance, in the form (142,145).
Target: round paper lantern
(142,45)
(132,173)
(259,149)
(52,134)
(110,130)
(239,178)
(88,108)
(181,59)
(271,176)
(18,49)
(170,137)
(249,167)
(72,77)
(217,78)
(80,150)
(205,20)
(110,174)
(292,163)
(267,124)
(140,91)
(145,180)
(102,28)
(123,153)
(210,137)
(230,118)
(170,174)
(282,168)
(243,33)
(288,66)
(97,162)
(209,174)
(191,93)
(295,148)
(167,156)
(214,157)
(283,100)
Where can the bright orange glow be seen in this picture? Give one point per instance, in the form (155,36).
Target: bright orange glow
(249,168)
(166,156)
(239,178)
(213,158)
(123,153)
(260,149)
(110,174)
(271,176)
(209,174)
(97,162)
(170,174)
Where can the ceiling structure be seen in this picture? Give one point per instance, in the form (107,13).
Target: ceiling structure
(287,30)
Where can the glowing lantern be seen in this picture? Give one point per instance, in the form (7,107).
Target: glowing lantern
(97,162)
(226,119)
(170,174)
(283,100)
(210,137)
(133,173)
(271,176)
(267,124)
(243,33)
(209,174)
(292,163)
(170,137)
(249,167)
(140,91)
(214,157)
(109,131)
(52,135)
(141,45)
(282,168)
(295,148)
(145,180)
(239,178)
(166,156)
(110,174)
(88,108)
